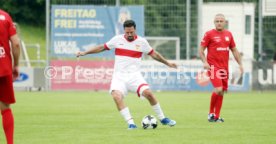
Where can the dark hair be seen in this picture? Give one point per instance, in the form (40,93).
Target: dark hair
(129,23)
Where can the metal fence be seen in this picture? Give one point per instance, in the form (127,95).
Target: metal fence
(169,18)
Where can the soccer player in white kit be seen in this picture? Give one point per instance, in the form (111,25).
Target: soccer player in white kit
(129,49)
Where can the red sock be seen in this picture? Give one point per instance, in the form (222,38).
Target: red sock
(213,102)
(218,106)
(8,124)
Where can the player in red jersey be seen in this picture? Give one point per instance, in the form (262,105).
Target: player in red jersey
(8,71)
(218,43)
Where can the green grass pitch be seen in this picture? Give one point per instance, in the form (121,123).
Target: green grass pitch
(92,118)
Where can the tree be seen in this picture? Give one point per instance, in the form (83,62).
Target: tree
(26,11)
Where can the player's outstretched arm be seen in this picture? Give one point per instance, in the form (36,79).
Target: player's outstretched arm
(96,49)
(203,58)
(157,56)
(237,57)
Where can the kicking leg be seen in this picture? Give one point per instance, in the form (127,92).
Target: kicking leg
(157,108)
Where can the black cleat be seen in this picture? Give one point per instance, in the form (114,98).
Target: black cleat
(219,120)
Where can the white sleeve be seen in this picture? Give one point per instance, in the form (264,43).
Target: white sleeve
(111,43)
(147,48)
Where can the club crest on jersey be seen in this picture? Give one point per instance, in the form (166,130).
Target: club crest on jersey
(226,38)
(137,47)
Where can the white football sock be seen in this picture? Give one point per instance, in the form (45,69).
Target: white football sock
(157,109)
(126,115)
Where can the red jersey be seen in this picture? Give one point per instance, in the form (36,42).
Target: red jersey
(218,44)
(7,29)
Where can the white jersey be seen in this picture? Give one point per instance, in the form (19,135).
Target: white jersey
(128,54)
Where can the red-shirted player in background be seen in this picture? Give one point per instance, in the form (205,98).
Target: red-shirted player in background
(218,43)
(8,71)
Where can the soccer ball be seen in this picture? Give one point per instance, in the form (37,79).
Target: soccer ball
(149,122)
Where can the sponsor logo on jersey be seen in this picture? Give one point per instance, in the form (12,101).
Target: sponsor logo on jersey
(222,49)
(2,52)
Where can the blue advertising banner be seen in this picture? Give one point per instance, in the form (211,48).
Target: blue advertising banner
(186,81)
(78,28)
(189,76)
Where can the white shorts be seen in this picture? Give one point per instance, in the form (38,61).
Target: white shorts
(133,82)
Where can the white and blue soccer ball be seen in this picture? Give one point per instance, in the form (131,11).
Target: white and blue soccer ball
(149,122)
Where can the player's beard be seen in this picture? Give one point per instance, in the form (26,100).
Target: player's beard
(130,38)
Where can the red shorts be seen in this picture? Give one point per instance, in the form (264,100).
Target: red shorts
(219,78)
(6,90)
